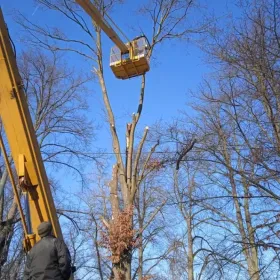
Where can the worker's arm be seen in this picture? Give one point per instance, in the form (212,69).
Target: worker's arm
(64,258)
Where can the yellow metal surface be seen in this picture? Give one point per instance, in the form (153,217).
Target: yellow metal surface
(130,68)
(94,13)
(21,166)
(135,63)
(32,239)
(22,141)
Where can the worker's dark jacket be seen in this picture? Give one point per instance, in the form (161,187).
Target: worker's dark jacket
(49,259)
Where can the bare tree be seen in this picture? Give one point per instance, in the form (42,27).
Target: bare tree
(57,108)
(238,135)
(168,20)
(55,95)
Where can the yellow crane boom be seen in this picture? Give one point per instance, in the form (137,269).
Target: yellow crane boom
(93,12)
(23,144)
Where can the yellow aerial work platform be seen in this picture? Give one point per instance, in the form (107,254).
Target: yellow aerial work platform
(133,63)
(127,60)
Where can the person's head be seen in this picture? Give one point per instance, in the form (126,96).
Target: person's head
(45,229)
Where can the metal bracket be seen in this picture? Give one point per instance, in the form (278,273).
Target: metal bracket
(29,241)
(24,181)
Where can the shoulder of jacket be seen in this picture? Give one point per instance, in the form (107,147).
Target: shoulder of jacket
(58,241)
(36,244)
(33,249)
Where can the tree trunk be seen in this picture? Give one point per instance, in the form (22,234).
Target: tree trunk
(248,240)
(190,248)
(253,262)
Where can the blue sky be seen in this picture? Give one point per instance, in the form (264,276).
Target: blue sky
(178,69)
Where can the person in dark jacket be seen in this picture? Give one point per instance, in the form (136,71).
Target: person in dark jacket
(49,258)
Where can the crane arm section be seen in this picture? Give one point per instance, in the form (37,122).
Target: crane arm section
(24,148)
(94,13)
